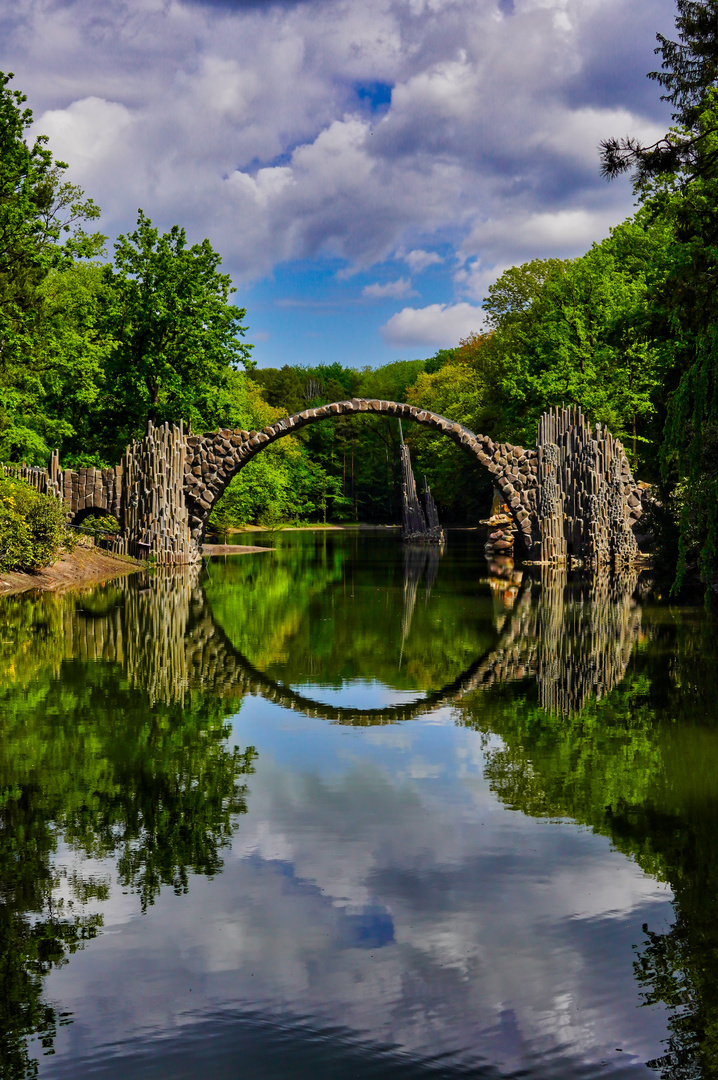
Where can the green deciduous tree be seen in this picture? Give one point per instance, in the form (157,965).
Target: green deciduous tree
(178,336)
(677,179)
(576,331)
(41,233)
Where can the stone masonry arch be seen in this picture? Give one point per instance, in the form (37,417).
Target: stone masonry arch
(573,497)
(214,458)
(80,517)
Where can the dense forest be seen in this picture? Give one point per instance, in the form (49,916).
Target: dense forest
(91,348)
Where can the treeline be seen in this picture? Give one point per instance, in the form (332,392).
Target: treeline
(90,349)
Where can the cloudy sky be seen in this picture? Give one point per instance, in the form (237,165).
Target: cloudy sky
(365,167)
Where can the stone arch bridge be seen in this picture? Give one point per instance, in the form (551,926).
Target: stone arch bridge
(571,495)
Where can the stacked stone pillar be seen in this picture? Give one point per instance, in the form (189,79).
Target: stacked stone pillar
(154,519)
(587,497)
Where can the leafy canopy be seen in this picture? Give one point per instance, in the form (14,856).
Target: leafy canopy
(178,336)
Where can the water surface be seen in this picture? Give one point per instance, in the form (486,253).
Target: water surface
(348,809)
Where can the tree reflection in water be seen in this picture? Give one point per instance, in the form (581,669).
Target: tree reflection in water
(622,736)
(106,748)
(113,710)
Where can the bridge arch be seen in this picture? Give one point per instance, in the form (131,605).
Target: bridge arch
(79,517)
(214,458)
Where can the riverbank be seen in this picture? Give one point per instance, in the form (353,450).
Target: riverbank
(81,566)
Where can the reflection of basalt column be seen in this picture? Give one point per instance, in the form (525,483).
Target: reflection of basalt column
(585,637)
(419,561)
(96,637)
(576,639)
(156,644)
(145,632)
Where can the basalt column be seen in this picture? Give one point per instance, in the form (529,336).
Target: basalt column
(588,500)
(420,525)
(155,521)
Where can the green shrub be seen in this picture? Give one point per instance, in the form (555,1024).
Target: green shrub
(15,540)
(32,526)
(100,524)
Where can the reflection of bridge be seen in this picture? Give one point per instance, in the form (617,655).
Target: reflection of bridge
(573,494)
(167,639)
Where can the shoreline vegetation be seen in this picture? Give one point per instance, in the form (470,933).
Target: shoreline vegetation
(85,566)
(96,346)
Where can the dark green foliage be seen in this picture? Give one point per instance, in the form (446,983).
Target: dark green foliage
(576,332)
(677,179)
(90,758)
(176,335)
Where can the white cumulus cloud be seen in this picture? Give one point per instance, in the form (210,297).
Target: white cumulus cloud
(89,130)
(393,290)
(351,133)
(246,123)
(442,325)
(418,259)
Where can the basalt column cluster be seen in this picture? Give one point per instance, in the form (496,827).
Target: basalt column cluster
(154,518)
(587,498)
(420,524)
(46,481)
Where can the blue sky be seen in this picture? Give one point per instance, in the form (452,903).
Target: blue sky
(366,167)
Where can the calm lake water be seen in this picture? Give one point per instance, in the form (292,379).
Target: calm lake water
(348,810)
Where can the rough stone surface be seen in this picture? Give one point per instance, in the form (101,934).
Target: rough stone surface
(572,496)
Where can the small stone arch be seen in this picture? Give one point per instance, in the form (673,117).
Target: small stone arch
(214,458)
(85,490)
(80,516)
